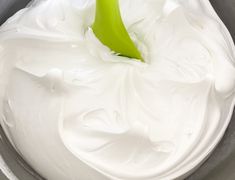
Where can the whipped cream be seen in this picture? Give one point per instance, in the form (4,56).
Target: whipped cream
(75,110)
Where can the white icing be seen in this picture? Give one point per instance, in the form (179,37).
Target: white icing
(74,110)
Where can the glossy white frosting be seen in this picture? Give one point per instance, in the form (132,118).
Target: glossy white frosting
(74,110)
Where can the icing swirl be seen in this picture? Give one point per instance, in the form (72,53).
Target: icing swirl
(75,110)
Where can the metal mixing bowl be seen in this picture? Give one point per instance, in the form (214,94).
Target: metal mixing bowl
(219,166)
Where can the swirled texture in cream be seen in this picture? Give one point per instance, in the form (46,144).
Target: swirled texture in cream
(76,111)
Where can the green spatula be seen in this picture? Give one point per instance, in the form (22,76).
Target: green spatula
(110,30)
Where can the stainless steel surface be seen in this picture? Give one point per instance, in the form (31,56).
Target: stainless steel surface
(220,165)
(14,161)
(9,7)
